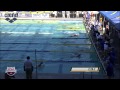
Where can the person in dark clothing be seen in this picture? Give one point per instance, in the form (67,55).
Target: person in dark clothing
(96,29)
(28,68)
(93,30)
(110,70)
(109,45)
(107,31)
(112,51)
(112,58)
(92,27)
(106,37)
(102,44)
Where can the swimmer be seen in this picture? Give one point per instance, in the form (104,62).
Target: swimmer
(40,64)
(74,35)
(79,55)
(76,55)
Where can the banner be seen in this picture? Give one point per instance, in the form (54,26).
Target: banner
(27,14)
(44,15)
(21,15)
(2,14)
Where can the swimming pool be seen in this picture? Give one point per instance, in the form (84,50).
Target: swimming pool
(60,44)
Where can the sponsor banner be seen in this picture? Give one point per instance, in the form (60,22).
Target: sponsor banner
(21,15)
(44,15)
(24,15)
(11,71)
(2,14)
(31,15)
(85,69)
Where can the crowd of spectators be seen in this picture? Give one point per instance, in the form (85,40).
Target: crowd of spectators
(102,42)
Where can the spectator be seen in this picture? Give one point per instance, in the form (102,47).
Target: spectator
(112,51)
(28,68)
(110,70)
(55,14)
(87,18)
(93,31)
(96,28)
(63,14)
(112,58)
(97,34)
(77,14)
(106,58)
(92,27)
(107,31)
(102,44)
(106,37)
(99,37)
(106,48)
(109,45)
(68,14)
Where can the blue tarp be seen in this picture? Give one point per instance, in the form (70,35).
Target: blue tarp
(113,17)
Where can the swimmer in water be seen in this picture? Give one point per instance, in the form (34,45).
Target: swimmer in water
(74,35)
(76,55)
(40,64)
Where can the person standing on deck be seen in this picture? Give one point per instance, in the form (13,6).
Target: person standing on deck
(63,14)
(77,14)
(55,14)
(28,68)
(110,70)
(68,14)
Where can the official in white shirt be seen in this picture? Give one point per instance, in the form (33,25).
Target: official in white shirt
(77,14)
(68,14)
(63,14)
(55,14)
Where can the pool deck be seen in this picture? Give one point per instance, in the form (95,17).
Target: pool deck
(58,76)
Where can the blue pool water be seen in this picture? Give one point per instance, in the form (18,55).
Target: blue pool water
(55,45)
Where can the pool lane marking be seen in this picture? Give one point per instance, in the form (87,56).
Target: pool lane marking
(75,29)
(82,51)
(41,60)
(49,44)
